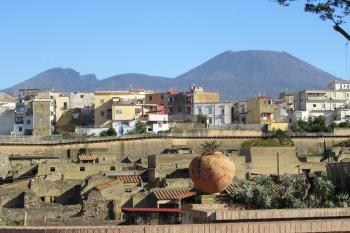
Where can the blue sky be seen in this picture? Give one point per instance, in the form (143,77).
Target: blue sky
(156,37)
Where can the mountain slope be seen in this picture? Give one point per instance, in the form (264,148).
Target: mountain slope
(59,79)
(236,75)
(124,81)
(248,73)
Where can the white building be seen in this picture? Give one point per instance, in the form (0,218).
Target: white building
(220,113)
(81,100)
(7,118)
(156,122)
(328,103)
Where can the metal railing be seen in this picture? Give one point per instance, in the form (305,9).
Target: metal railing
(59,139)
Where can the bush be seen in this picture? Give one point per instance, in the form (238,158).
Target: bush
(313,125)
(201,119)
(140,128)
(344,143)
(109,132)
(292,191)
(342,125)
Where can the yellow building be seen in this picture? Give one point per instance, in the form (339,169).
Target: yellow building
(260,110)
(107,102)
(62,114)
(201,96)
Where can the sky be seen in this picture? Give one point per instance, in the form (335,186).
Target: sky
(155,37)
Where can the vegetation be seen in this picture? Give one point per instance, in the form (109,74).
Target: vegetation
(109,132)
(345,124)
(140,128)
(282,137)
(201,119)
(345,143)
(334,11)
(210,147)
(279,138)
(316,124)
(292,191)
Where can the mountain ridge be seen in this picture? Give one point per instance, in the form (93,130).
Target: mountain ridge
(236,75)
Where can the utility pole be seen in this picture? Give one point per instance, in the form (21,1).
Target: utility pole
(278,164)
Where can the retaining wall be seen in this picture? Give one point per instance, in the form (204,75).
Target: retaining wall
(329,225)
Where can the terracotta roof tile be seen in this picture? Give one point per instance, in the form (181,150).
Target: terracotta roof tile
(129,179)
(173,194)
(107,183)
(86,158)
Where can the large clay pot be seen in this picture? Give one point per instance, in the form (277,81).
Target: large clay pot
(212,172)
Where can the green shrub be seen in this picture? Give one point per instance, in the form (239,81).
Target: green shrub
(109,132)
(292,191)
(343,144)
(313,125)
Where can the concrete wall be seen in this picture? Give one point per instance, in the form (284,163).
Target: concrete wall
(301,226)
(216,132)
(41,118)
(141,148)
(273,160)
(7,120)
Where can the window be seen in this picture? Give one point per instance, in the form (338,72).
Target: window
(150,97)
(81,96)
(52,169)
(102,113)
(314,105)
(199,110)
(171,99)
(171,110)
(102,101)
(82,169)
(223,111)
(118,111)
(112,168)
(65,105)
(210,110)
(179,109)
(20,129)
(222,121)
(162,97)
(28,122)
(210,120)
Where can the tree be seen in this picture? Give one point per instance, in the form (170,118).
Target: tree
(109,132)
(314,124)
(331,10)
(140,128)
(201,119)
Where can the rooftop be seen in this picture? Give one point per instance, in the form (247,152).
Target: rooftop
(173,194)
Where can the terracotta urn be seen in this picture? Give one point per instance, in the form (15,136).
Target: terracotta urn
(212,172)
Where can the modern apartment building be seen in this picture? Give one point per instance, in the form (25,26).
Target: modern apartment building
(220,113)
(107,101)
(260,110)
(240,112)
(181,104)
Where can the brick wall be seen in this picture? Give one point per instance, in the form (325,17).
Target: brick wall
(330,225)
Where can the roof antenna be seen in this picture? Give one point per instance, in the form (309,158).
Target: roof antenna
(346,60)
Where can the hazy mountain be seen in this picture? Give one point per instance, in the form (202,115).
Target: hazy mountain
(236,75)
(249,73)
(59,79)
(123,82)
